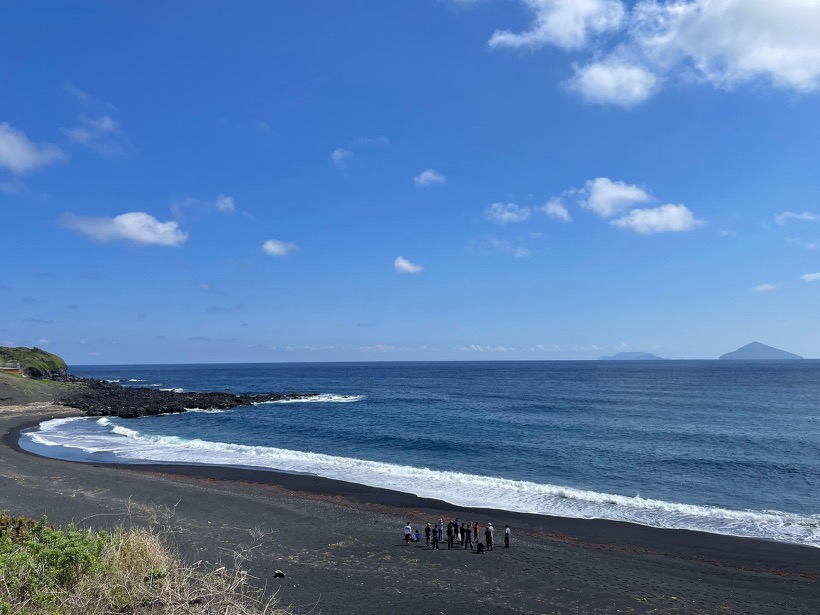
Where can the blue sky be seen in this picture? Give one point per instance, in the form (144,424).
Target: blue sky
(409,180)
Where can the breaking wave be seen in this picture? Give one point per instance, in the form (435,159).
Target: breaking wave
(105,436)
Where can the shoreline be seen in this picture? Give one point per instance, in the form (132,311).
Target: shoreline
(322,528)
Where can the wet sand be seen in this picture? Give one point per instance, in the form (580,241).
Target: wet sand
(340,544)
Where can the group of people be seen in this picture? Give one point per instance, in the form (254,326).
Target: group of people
(458,533)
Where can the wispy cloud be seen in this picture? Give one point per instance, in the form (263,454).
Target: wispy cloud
(764,288)
(489,245)
(20,155)
(556,209)
(225,204)
(811,246)
(340,156)
(402,265)
(805,216)
(136,227)
(102,134)
(429,177)
(810,277)
(380,140)
(508,213)
(275,247)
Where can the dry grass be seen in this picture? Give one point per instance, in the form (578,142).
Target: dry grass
(46,570)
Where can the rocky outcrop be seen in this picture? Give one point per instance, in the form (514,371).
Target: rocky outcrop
(101,398)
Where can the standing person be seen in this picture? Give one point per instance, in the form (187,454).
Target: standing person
(463,532)
(440,530)
(506,535)
(476,535)
(468,537)
(408,534)
(450,535)
(427,532)
(435,539)
(488,535)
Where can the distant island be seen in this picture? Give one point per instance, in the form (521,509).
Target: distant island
(632,356)
(759,352)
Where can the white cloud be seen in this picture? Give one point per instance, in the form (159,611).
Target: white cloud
(722,43)
(340,156)
(403,265)
(664,219)
(43,342)
(764,288)
(614,81)
(554,208)
(20,155)
(728,233)
(225,204)
(102,134)
(137,227)
(429,177)
(607,198)
(727,42)
(790,215)
(810,277)
(568,24)
(274,247)
(480,348)
(506,214)
(493,244)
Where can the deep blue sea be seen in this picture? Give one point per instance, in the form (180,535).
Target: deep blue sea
(724,447)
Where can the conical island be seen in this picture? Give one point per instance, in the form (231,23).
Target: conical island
(759,352)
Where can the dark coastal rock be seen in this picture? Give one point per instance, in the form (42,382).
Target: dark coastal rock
(101,398)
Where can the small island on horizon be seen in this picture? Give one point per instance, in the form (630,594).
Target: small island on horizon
(632,356)
(756,351)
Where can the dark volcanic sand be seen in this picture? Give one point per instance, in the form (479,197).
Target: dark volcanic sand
(340,544)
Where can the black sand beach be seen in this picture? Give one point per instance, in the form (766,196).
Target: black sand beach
(340,545)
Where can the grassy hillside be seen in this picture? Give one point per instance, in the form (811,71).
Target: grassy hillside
(18,390)
(34,362)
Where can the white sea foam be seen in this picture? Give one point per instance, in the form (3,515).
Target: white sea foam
(136,380)
(113,380)
(322,398)
(457,488)
(204,410)
(173,390)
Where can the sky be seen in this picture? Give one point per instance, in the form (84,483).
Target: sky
(409,180)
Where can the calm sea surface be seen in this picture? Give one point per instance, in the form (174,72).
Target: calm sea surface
(726,447)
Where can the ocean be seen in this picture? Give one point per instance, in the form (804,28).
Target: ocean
(718,446)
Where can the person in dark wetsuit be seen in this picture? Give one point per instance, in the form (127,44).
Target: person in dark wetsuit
(450,535)
(427,531)
(468,537)
(506,535)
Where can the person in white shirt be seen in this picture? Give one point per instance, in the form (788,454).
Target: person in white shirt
(408,533)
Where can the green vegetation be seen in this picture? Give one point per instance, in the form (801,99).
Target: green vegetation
(34,362)
(46,570)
